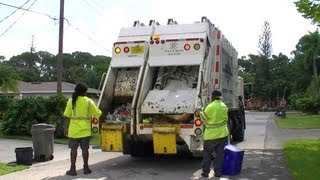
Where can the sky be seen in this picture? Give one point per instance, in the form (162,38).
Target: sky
(93,25)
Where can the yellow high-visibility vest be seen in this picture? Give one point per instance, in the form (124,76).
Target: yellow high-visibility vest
(215,118)
(81,116)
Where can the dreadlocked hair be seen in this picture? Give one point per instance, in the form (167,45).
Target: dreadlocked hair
(79,90)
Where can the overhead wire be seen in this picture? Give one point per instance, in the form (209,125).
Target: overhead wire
(17,19)
(14,11)
(76,28)
(98,11)
(40,13)
(53,18)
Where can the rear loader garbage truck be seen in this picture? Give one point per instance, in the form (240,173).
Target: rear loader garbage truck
(159,79)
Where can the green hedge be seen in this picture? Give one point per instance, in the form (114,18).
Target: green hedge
(21,115)
(309,105)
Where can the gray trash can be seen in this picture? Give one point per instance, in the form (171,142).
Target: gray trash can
(42,138)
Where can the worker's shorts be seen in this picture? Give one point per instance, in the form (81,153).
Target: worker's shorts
(83,142)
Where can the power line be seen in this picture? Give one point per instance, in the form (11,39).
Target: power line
(40,13)
(92,40)
(14,11)
(92,7)
(17,19)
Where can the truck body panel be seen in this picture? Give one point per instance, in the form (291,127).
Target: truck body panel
(167,77)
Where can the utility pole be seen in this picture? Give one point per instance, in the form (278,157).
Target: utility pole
(32,48)
(60,53)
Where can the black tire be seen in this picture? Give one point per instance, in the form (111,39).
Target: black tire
(238,135)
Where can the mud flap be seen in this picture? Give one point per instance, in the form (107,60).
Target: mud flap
(112,137)
(164,139)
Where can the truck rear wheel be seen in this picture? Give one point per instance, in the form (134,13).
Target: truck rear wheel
(236,125)
(238,134)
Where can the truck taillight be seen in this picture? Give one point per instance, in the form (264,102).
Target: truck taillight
(198,122)
(151,42)
(126,49)
(196,46)
(187,47)
(95,121)
(117,50)
(163,41)
(197,113)
(95,125)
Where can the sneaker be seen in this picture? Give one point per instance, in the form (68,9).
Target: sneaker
(204,174)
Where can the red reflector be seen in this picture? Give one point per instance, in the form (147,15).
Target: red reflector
(187,47)
(216,81)
(201,39)
(138,41)
(192,39)
(219,35)
(172,40)
(218,50)
(163,41)
(190,126)
(126,49)
(157,41)
(217,67)
(198,122)
(119,43)
(95,121)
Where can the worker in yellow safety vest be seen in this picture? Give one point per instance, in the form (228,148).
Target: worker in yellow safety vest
(215,117)
(78,116)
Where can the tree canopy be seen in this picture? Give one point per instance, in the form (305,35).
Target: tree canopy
(310,9)
(8,78)
(77,67)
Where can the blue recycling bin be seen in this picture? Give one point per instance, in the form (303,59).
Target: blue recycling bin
(233,158)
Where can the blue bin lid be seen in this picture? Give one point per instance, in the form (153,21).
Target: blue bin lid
(232,148)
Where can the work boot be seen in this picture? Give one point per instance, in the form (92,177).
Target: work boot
(204,174)
(86,169)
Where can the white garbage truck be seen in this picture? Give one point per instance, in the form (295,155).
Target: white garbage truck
(159,78)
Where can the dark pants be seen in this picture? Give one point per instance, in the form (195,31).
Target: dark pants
(83,142)
(215,147)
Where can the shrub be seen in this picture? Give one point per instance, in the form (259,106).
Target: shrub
(309,105)
(24,113)
(55,107)
(5,102)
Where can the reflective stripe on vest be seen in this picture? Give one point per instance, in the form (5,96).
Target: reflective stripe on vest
(213,126)
(74,117)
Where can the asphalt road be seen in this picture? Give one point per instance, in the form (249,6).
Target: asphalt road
(263,159)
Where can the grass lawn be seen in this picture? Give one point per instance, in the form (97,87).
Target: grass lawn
(6,168)
(297,120)
(303,158)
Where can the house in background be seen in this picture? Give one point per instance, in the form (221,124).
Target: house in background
(46,89)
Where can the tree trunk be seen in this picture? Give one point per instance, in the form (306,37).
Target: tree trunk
(315,74)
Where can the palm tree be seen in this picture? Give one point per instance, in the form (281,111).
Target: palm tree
(8,79)
(309,46)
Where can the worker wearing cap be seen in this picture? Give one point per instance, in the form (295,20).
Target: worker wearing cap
(79,113)
(215,117)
